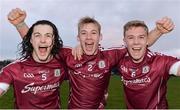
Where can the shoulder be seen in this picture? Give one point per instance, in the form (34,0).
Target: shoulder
(116,52)
(161,58)
(160,55)
(114,49)
(13,65)
(65,50)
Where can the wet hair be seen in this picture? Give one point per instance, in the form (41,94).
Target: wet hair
(135,23)
(26,47)
(87,20)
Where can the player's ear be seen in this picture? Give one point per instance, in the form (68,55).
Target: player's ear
(147,44)
(124,42)
(31,40)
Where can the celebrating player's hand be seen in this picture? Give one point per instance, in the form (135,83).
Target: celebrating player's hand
(16,16)
(165,25)
(77,52)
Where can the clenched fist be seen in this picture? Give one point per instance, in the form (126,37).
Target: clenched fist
(16,16)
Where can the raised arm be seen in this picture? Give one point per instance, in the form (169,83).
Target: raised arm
(17,17)
(163,26)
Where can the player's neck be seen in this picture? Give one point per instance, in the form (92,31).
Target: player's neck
(138,60)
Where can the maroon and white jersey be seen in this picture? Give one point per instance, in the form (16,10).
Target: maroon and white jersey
(145,83)
(89,77)
(36,85)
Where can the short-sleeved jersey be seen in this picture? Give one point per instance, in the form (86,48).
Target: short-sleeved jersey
(145,83)
(36,85)
(89,77)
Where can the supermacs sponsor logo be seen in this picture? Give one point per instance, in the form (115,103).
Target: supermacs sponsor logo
(34,89)
(136,81)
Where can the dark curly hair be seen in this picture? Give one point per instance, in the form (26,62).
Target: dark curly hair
(26,48)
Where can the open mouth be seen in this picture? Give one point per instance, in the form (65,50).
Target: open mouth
(43,49)
(136,49)
(89,46)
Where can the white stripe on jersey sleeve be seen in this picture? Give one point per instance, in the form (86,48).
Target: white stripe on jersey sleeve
(4,86)
(174,68)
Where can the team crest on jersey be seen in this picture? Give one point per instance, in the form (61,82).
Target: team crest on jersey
(102,64)
(145,69)
(57,72)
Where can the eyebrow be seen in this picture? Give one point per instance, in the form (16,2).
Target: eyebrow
(50,33)
(91,30)
(94,31)
(36,33)
(40,33)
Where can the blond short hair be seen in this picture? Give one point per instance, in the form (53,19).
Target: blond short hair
(87,20)
(135,23)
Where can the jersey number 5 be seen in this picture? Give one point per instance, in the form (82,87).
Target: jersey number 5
(43,76)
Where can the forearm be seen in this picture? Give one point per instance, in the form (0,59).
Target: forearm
(104,100)
(163,26)
(153,36)
(22,28)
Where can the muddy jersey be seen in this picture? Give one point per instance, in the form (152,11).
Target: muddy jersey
(36,85)
(89,77)
(145,83)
